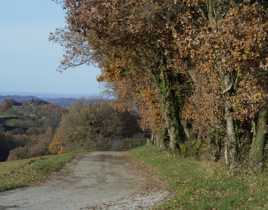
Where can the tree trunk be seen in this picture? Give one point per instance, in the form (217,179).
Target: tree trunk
(151,141)
(231,153)
(258,142)
(160,142)
(170,108)
(160,138)
(211,7)
(171,111)
(231,144)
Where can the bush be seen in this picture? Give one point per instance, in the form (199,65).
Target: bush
(8,143)
(35,146)
(93,126)
(41,143)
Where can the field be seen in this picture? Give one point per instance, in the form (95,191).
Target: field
(201,185)
(22,173)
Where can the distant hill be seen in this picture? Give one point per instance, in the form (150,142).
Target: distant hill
(66,102)
(63,102)
(26,126)
(60,101)
(17,98)
(28,116)
(28,123)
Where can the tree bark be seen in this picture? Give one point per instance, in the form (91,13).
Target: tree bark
(231,153)
(170,111)
(170,108)
(151,141)
(231,144)
(160,138)
(258,142)
(211,7)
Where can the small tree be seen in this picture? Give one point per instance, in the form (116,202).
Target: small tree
(93,126)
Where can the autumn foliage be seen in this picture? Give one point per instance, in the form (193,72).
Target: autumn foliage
(196,70)
(93,126)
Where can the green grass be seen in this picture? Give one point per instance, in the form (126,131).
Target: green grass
(22,173)
(200,185)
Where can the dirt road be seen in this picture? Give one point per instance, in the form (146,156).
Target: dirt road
(100,180)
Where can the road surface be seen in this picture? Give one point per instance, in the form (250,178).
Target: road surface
(96,181)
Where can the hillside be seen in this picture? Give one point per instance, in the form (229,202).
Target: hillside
(26,122)
(29,116)
(60,101)
(64,102)
(17,98)
(67,102)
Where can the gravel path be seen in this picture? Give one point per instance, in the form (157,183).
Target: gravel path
(97,181)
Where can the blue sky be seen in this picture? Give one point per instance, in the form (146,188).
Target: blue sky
(29,61)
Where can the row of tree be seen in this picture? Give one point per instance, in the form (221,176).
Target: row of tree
(196,70)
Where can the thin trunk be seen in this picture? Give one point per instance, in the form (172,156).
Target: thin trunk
(211,7)
(226,154)
(215,144)
(231,145)
(231,153)
(160,142)
(187,131)
(160,138)
(258,141)
(151,141)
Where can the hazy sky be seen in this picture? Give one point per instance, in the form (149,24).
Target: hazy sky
(28,60)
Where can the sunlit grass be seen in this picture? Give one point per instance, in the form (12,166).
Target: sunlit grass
(21,173)
(203,185)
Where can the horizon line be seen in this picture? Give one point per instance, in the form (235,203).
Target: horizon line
(49,95)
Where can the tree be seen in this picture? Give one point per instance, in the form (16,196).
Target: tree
(198,68)
(231,50)
(93,126)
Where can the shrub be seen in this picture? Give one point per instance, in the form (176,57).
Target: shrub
(93,126)
(34,146)
(8,143)
(19,153)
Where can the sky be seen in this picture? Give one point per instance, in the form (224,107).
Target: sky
(28,61)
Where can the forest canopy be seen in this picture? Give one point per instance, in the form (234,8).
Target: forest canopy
(196,70)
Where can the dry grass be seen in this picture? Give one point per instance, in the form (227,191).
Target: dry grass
(204,185)
(21,173)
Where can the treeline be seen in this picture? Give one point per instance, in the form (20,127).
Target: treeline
(27,128)
(37,128)
(196,70)
(96,126)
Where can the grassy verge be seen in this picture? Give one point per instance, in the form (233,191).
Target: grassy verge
(21,173)
(202,185)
